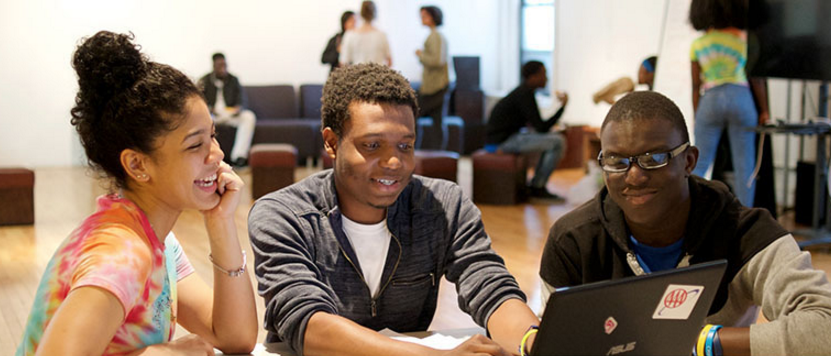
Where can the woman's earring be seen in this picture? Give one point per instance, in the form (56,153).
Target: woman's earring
(141,176)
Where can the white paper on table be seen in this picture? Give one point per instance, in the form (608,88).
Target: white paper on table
(262,350)
(437,341)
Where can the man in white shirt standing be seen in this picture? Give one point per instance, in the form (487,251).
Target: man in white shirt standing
(226,100)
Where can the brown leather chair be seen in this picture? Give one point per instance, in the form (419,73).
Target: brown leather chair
(499,178)
(437,164)
(272,167)
(17,196)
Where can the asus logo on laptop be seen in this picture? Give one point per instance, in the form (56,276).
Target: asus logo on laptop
(619,349)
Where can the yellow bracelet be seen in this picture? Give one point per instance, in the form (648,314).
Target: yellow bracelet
(533,330)
(702,340)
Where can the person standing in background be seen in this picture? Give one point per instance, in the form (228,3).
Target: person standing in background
(434,77)
(226,100)
(366,43)
(331,55)
(718,61)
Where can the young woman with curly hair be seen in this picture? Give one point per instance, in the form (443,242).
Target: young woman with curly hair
(121,282)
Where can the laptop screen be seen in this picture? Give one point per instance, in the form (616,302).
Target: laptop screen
(655,314)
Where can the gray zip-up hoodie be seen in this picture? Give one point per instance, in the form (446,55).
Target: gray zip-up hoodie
(304,262)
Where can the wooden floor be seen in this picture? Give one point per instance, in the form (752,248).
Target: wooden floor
(65,196)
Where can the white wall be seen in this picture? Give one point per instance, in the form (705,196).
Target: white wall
(269,42)
(266,42)
(673,76)
(489,29)
(598,41)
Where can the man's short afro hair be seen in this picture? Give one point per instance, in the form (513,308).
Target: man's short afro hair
(362,83)
(647,105)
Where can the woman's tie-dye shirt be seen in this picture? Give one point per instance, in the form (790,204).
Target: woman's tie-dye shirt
(722,55)
(114,249)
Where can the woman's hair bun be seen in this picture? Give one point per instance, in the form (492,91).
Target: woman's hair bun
(124,101)
(108,63)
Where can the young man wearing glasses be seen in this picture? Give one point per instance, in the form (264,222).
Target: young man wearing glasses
(653,215)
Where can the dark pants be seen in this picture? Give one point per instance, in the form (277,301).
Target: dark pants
(431,105)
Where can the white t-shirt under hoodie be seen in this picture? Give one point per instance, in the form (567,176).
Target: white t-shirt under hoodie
(371,244)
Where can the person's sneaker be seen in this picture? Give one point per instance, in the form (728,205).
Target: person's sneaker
(543,193)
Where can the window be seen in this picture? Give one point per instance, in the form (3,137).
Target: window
(537,43)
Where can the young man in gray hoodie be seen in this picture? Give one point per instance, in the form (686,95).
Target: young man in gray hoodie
(653,215)
(362,247)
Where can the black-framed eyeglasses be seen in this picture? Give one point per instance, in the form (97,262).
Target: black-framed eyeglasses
(648,161)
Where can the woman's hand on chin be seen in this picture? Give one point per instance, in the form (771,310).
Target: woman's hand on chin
(229,188)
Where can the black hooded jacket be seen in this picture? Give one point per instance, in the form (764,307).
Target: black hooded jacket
(591,243)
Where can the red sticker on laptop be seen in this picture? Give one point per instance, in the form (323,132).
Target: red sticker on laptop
(678,302)
(610,325)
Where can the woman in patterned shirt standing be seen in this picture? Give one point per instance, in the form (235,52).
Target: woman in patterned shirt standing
(718,68)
